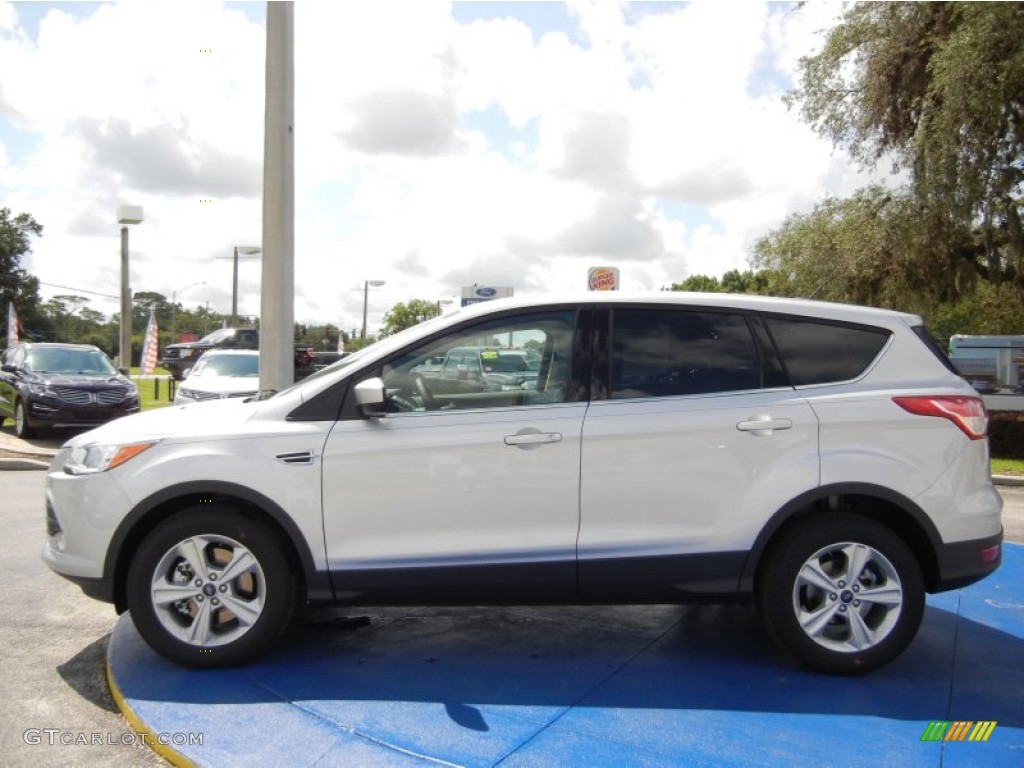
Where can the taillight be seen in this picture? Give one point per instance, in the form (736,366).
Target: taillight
(968,413)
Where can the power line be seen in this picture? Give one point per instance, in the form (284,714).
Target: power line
(79,290)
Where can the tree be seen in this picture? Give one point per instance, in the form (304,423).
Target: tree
(732,281)
(404,316)
(16,285)
(699,284)
(860,250)
(938,89)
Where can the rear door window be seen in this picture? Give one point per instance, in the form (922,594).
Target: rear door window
(664,352)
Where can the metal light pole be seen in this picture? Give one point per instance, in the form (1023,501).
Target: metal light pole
(243,251)
(366,296)
(126,214)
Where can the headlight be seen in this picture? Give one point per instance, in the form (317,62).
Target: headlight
(187,393)
(91,459)
(40,388)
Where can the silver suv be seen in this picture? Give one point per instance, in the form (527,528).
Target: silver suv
(824,461)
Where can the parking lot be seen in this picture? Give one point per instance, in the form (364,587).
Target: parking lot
(389,676)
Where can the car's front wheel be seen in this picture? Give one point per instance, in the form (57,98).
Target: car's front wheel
(842,593)
(21,426)
(211,587)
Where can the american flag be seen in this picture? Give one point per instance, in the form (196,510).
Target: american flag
(149,347)
(12,325)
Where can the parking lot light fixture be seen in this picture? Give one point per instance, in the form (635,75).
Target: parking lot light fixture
(366,296)
(243,251)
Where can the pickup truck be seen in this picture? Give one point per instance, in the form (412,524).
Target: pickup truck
(179,358)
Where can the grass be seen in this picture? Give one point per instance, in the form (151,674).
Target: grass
(153,393)
(1007,467)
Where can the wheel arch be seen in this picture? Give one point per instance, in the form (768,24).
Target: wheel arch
(893,510)
(145,516)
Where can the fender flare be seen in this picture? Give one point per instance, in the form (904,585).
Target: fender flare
(799,505)
(141,517)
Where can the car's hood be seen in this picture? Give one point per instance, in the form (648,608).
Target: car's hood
(221,384)
(198,420)
(79,380)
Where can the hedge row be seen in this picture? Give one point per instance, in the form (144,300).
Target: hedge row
(1006,434)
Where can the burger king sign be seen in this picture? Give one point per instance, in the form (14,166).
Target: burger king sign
(603,278)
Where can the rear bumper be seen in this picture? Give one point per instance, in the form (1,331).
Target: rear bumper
(965,562)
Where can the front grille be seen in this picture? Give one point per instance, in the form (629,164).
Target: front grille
(87,397)
(74,396)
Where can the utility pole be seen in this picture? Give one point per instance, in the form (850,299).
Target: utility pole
(277,296)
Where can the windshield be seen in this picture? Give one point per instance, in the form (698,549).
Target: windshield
(66,360)
(227,365)
(218,336)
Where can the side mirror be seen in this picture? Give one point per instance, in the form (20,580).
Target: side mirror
(370,398)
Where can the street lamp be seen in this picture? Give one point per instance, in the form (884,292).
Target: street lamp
(240,250)
(174,304)
(126,214)
(366,296)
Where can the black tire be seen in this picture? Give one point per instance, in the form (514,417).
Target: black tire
(842,593)
(228,615)
(21,426)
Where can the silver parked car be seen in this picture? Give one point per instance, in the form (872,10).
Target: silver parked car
(221,373)
(823,461)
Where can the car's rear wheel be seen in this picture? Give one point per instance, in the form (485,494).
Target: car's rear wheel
(842,593)
(21,426)
(211,587)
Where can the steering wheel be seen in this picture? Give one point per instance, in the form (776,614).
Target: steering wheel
(429,402)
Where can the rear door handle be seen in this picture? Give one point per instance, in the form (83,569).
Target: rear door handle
(533,439)
(763,425)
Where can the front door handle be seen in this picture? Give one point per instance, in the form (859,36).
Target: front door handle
(763,425)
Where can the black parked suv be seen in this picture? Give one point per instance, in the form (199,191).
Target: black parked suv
(55,386)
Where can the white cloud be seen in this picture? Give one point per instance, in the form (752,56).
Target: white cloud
(436,146)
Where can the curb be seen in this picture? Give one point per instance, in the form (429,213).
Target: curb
(151,739)
(23,463)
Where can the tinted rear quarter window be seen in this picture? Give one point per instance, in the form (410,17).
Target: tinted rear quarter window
(816,352)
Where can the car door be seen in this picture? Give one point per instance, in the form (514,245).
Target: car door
(693,440)
(465,495)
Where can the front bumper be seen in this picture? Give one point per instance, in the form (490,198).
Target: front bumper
(56,414)
(82,514)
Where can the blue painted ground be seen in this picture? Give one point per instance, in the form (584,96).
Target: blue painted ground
(645,686)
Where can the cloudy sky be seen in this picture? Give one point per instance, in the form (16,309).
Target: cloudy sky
(438,144)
